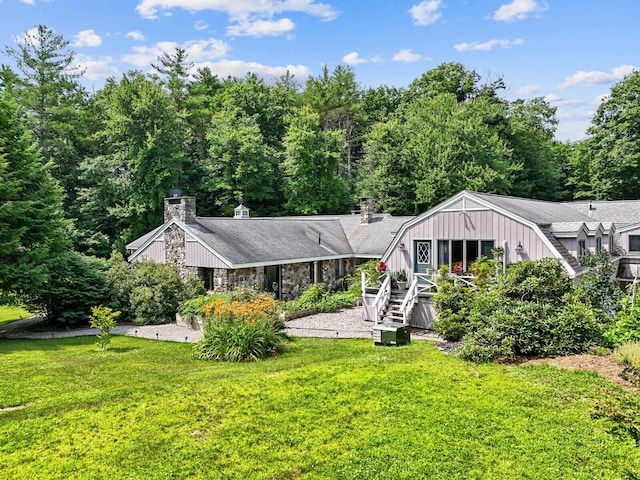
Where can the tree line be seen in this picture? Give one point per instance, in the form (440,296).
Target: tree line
(87,171)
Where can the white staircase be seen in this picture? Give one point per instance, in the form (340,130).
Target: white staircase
(392,311)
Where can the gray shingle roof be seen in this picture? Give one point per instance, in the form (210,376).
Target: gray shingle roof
(266,240)
(537,211)
(620,212)
(283,239)
(372,239)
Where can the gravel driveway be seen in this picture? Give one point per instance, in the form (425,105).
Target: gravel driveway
(343,324)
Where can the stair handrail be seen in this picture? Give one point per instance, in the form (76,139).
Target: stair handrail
(409,301)
(426,282)
(382,298)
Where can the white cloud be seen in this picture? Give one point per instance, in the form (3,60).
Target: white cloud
(87,38)
(28,37)
(528,90)
(197,51)
(425,13)
(96,69)
(238,68)
(558,101)
(406,55)
(595,77)
(518,10)
(28,2)
(238,9)
(261,28)
(354,58)
(136,35)
(201,25)
(488,45)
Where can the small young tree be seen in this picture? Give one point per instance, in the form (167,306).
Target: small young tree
(103,318)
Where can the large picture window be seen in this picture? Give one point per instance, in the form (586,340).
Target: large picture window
(634,243)
(463,252)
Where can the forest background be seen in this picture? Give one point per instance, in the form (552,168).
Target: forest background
(86,172)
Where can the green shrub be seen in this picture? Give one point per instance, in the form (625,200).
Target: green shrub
(148,293)
(317,296)
(545,280)
(452,302)
(597,285)
(238,340)
(625,326)
(521,315)
(76,283)
(486,345)
(103,318)
(484,271)
(628,353)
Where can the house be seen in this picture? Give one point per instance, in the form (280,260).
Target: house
(470,225)
(283,255)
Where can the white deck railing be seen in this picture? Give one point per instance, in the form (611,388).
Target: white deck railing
(382,298)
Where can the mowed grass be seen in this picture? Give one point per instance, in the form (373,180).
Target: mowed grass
(9,313)
(334,409)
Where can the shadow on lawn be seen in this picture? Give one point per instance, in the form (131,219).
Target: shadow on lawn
(9,345)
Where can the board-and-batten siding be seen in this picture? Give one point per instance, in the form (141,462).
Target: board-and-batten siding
(470,225)
(155,251)
(198,256)
(571,244)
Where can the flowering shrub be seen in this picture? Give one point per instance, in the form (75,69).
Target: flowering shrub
(457,268)
(239,330)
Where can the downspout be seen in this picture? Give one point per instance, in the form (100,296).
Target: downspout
(504,256)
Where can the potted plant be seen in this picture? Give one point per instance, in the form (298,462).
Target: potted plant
(400,279)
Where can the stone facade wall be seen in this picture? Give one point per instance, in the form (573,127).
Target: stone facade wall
(294,278)
(175,250)
(224,280)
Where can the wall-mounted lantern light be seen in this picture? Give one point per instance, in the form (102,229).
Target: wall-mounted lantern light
(402,246)
(519,248)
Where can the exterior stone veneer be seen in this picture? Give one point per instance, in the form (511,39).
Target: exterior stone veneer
(175,250)
(180,208)
(294,277)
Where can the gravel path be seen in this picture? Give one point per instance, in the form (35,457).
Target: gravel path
(343,324)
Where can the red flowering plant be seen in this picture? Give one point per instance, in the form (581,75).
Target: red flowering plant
(457,268)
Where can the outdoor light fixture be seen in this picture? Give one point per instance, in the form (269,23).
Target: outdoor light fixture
(401,245)
(519,248)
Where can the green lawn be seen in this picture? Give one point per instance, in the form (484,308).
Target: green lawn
(9,313)
(334,409)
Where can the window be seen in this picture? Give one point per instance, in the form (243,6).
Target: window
(463,252)
(443,252)
(424,252)
(582,246)
(485,248)
(634,243)
(598,244)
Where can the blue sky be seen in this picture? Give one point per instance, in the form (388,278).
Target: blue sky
(569,52)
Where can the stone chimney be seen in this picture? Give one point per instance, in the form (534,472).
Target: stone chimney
(180,208)
(366,210)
